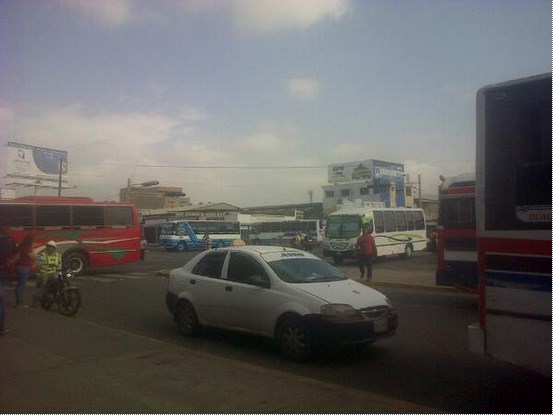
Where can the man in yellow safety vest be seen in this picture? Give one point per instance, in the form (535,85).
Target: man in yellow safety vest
(49,264)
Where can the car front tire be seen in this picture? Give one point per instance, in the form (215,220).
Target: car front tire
(186,319)
(295,340)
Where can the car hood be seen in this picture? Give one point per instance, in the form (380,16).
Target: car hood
(344,292)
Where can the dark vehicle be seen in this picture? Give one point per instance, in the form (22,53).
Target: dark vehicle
(59,290)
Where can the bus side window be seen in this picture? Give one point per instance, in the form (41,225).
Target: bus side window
(119,216)
(88,215)
(389,221)
(378,222)
(410,222)
(419,219)
(17,215)
(52,215)
(400,221)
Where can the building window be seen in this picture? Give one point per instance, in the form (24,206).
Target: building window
(345,192)
(408,191)
(364,191)
(329,194)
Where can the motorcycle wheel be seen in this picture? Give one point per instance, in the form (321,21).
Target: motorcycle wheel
(47,300)
(70,301)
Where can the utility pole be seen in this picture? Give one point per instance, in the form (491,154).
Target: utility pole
(420,192)
(59,178)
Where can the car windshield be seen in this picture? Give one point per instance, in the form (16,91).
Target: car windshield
(305,270)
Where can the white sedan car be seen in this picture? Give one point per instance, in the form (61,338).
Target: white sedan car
(291,296)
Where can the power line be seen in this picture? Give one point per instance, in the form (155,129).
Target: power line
(167,166)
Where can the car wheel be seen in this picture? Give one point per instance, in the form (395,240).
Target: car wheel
(186,318)
(408,251)
(295,340)
(338,260)
(181,247)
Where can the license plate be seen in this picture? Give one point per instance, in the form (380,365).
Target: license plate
(381,325)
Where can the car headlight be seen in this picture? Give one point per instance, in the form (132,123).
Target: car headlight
(339,313)
(337,310)
(389,303)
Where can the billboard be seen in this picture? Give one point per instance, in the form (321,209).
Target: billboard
(28,164)
(373,171)
(345,172)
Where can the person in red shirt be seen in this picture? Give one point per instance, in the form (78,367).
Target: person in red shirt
(366,248)
(24,267)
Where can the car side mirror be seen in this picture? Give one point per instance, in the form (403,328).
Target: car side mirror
(259,281)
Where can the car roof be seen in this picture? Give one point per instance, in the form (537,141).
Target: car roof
(261,249)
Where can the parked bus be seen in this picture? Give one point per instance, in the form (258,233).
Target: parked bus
(281,232)
(88,234)
(183,235)
(513,222)
(396,231)
(456,233)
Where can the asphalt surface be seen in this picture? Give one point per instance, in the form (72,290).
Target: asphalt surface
(55,364)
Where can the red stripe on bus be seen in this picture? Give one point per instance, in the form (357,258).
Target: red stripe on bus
(516,246)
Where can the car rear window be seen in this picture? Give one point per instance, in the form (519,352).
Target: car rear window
(210,265)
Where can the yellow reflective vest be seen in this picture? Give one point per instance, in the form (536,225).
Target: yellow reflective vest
(49,264)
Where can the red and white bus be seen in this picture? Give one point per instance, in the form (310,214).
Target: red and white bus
(456,233)
(513,222)
(88,234)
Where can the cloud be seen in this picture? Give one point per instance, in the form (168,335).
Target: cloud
(7,120)
(303,88)
(109,12)
(271,15)
(258,16)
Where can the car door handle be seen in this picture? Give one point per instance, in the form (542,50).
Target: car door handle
(192,282)
(228,288)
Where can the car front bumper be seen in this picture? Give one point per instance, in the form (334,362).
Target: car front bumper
(336,333)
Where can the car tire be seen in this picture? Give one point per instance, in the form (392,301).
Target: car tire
(338,260)
(295,340)
(186,319)
(181,247)
(408,253)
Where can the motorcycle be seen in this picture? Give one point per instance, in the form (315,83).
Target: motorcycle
(59,290)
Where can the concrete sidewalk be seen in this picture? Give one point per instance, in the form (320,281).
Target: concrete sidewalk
(55,364)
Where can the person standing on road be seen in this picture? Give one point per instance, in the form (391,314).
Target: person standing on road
(366,248)
(49,264)
(23,267)
(8,258)
(143,244)
(206,241)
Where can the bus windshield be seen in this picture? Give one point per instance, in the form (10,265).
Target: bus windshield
(343,227)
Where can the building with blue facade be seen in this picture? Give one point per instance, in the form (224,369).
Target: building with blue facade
(366,181)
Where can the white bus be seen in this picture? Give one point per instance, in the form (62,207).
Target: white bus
(281,232)
(396,231)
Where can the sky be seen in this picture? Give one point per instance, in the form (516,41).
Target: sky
(248,101)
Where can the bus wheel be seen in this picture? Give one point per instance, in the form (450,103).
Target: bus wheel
(76,262)
(408,251)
